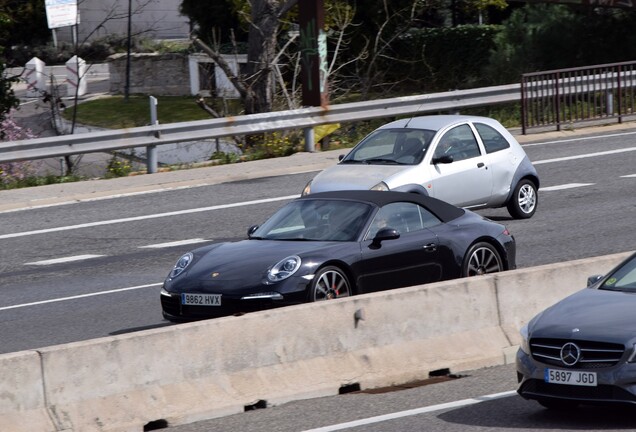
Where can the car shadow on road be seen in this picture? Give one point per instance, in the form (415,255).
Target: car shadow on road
(517,413)
(136,329)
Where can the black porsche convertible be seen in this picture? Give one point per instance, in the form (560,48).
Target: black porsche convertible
(336,244)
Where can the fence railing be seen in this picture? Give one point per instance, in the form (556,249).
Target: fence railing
(549,98)
(569,96)
(305,119)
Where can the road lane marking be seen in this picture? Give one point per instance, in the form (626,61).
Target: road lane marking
(584,156)
(413,412)
(629,176)
(61,299)
(578,139)
(146,217)
(64,260)
(565,186)
(101,198)
(174,243)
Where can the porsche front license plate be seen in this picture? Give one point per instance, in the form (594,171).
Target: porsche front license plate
(577,378)
(201,299)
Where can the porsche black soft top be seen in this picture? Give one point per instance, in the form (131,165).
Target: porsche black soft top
(444,211)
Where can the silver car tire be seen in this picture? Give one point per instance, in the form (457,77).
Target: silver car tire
(328,284)
(481,258)
(524,201)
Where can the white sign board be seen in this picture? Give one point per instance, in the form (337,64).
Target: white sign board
(61,13)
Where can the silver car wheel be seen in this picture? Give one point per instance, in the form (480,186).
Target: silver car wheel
(481,259)
(527,198)
(524,200)
(328,284)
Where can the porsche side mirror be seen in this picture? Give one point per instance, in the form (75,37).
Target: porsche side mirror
(385,234)
(446,159)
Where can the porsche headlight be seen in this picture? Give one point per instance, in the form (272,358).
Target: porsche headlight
(381,187)
(525,343)
(284,269)
(181,265)
(307,189)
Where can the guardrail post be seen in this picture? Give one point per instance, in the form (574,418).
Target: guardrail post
(308,133)
(151,150)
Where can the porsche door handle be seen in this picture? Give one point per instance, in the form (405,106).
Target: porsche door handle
(431,247)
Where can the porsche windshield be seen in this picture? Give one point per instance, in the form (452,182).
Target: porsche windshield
(320,220)
(392,146)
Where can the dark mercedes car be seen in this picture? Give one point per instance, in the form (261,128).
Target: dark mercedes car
(582,350)
(336,244)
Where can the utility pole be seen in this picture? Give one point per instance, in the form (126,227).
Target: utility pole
(127,87)
(313,51)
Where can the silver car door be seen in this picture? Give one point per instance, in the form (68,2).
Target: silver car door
(467,179)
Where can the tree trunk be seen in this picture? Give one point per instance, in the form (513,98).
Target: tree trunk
(262,49)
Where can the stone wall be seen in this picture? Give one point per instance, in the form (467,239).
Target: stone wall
(150,74)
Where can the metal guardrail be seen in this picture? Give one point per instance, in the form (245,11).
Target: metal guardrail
(305,118)
(575,95)
(547,98)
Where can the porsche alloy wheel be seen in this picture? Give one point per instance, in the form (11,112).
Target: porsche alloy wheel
(524,200)
(328,284)
(482,258)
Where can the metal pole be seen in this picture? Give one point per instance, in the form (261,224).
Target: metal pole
(127,87)
(308,132)
(151,150)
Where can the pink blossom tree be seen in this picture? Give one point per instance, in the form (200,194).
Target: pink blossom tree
(14,172)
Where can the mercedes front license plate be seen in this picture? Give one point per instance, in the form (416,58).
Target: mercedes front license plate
(577,378)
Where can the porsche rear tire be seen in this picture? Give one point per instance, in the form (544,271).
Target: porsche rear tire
(481,258)
(329,283)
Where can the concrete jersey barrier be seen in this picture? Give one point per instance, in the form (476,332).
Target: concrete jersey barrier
(189,372)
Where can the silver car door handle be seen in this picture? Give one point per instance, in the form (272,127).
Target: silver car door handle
(431,247)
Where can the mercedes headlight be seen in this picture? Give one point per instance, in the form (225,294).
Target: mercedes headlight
(284,269)
(181,265)
(525,342)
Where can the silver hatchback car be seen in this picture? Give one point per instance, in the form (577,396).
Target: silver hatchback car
(468,161)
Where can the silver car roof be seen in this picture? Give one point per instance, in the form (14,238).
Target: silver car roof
(437,122)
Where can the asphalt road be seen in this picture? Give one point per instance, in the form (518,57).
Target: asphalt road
(93,268)
(90,269)
(476,401)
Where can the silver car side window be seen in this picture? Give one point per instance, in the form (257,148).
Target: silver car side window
(492,139)
(459,142)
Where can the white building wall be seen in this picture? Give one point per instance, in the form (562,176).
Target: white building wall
(156,19)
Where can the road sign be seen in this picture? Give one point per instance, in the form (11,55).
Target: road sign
(61,13)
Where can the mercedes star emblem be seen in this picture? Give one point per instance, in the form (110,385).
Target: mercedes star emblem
(570,354)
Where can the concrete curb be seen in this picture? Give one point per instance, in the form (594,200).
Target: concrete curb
(213,368)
